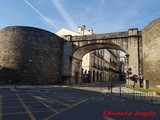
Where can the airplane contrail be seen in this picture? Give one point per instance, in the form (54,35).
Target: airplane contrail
(41,15)
(64,14)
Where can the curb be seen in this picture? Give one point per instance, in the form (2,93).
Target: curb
(139,101)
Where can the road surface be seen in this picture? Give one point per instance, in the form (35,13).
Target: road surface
(59,103)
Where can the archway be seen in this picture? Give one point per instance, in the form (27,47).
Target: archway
(129,42)
(80,52)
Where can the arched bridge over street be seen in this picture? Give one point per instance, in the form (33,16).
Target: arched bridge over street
(129,42)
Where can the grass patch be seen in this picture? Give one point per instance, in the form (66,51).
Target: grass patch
(157,91)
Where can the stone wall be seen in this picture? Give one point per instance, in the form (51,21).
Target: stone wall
(30,55)
(151,52)
(133,51)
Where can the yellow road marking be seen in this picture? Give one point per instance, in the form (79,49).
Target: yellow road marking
(26,108)
(13,89)
(13,94)
(17,113)
(68,99)
(9,94)
(45,104)
(0,107)
(80,102)
(49,117)
(57,101)
(15,101)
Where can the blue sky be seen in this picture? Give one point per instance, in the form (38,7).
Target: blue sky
(102,16)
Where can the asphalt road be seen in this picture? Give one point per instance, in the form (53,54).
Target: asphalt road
(60,103)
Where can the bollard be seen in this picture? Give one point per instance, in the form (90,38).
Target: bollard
(120,91)
(111,89)
(145,84)
(108,88)
(151,98)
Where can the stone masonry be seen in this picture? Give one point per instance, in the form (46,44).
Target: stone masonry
(30,55)
(128,41)
(141,47)
(35,56)
(151,52)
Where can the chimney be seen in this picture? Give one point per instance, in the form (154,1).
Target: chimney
(91,31)
(84,27)
(81,29)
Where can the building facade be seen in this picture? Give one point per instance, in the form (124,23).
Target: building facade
(123,68)
(114,66)
(100,65)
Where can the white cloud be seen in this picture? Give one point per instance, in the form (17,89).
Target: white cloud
(64,14)
(45,19)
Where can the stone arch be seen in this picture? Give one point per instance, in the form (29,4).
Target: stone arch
(80,52)
(128,42)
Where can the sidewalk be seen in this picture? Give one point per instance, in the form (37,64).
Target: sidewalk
(120,90)
(129,93)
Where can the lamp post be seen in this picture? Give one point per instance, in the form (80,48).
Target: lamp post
(127,62)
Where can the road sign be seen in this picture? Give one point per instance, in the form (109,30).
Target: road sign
(125,68)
